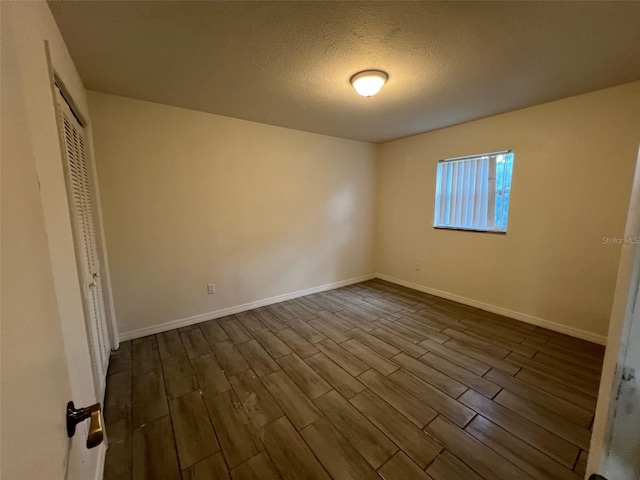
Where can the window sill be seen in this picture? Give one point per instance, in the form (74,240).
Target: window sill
(460,229)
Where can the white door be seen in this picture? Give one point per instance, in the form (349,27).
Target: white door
(44,342)
(619,449)
(615,444)
(622,455)
(84,230)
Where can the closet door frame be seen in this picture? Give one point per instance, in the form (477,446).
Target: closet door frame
(106,325)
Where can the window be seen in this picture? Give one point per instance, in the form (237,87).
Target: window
(472,193)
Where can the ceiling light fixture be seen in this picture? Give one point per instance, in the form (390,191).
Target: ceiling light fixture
(369,82)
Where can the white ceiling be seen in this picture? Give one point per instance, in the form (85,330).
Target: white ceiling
(289,63)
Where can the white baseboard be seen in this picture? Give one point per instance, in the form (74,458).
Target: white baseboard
(524,317)
(184,322)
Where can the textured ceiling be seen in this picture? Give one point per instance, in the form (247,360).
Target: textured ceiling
(289,63)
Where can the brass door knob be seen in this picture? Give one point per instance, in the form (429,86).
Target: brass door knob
(75,416)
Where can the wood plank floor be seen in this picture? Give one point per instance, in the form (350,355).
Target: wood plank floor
(371,380)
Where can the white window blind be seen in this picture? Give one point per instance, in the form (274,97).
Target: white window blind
(472,193)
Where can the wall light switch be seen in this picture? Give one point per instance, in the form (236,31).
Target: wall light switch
(211,288)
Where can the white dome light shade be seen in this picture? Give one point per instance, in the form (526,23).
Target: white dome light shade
(369,82)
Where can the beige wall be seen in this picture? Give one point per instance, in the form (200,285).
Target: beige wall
(191,198)
(572,176)
(45,356)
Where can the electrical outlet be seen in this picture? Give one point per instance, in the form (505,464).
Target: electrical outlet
(418,267)
(211,288)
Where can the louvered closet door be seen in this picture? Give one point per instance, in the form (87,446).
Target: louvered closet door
(79,190)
